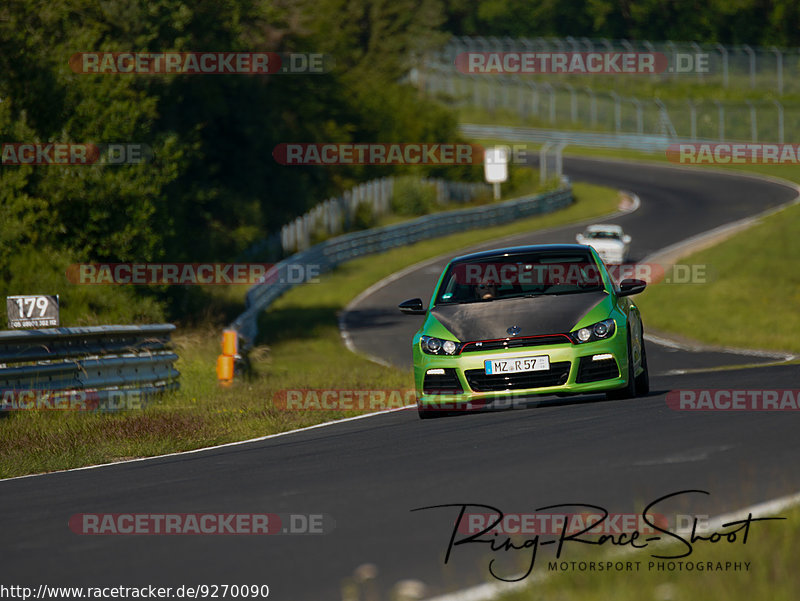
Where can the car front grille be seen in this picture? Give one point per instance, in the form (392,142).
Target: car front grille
(495,345)
(446,383)
(479,381)
(593,371)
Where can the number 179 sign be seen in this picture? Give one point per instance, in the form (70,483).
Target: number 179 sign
(33,311)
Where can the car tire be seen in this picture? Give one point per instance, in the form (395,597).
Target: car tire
(629,391)
(643,379)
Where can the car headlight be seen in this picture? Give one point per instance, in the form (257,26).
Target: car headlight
(597,331)
(437,346)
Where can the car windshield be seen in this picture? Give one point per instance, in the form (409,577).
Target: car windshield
(505,276)
(605,235)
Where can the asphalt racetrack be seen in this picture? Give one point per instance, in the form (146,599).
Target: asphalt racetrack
(369,474)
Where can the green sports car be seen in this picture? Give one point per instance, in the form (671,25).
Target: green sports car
(508,324)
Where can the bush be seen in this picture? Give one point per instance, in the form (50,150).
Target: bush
(365,217)
(43,271)
(413,197)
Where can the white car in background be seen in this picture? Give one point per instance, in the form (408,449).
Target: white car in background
(610,242)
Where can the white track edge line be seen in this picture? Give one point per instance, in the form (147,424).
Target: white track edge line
(212,448)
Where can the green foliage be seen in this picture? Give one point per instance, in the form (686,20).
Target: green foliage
(731,22)
(413,197)
(213,187)
(42,271)
(364,217)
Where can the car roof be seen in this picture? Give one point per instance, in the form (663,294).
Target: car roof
(519,250)
(603,227)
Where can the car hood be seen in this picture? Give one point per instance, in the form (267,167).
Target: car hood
(606,243)
(534,316)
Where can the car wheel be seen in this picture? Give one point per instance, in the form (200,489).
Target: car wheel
(629,391)
(643,379)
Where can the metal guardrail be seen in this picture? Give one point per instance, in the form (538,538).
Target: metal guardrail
(330,253)
(645,142)
(105,360)
(337,214)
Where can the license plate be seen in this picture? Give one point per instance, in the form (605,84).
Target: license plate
(517,364)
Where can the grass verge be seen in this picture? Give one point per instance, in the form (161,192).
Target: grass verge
(753,301)
(301,350)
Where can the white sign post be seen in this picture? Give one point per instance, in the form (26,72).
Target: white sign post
(495,167)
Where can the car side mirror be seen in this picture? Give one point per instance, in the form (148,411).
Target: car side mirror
(413,306)
(626,239)
(630,287)
(579,238)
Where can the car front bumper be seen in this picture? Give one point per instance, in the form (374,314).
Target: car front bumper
(567,374)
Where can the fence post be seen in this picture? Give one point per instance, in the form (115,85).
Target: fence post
(696,47)
(779,106)
(724,52)
(651,49)
(592,106)
(543,162)
(552,104)
(752,56)
(617,112)
(779,67)
(674,52)
(692,118)
(560,159)
(753,123)
(573,103)
(535,100)
(639,116)
(720,120)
